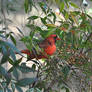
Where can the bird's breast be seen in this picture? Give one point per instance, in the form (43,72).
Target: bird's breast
(50,50)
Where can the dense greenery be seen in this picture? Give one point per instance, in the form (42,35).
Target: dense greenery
(73,57)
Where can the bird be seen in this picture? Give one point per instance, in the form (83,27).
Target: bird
(48,46)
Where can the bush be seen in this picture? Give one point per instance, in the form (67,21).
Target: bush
(72,58)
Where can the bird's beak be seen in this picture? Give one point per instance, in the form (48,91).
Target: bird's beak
(58,38)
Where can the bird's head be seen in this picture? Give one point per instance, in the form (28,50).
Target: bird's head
(54,37)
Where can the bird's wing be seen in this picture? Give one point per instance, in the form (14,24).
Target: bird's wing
(45,44)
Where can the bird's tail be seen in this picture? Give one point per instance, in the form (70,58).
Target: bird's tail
(25,51)
(34,54)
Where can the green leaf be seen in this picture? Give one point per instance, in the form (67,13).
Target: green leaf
(26,5)
(49,15)
(31,4)
(33,17)
(4,58)
(5,74)
(12,47)
(38,90)
(7,35)
(43,20)
(13,39)
(2,36)
(15,73)
(20,31)
(26,81)
(12,54)
(52,30)
(35,61)
(8,90)
(33,66)
(67,3)
(54,19)
(41,4)
(89,16)
(30,90)
(16,63)
(13,87)
(2,31)
(65,70)
(11,9)
(67,89)
(19,89)
(1,21)
(4,84)
(74,5)
(33,90)
(10,70)
(25,69)
(1,90)
(30,26)
(5,55)
(10,61)
(62,6)
(4,50)
(38,29)
(66,15)
(25,39)
(31,36)
(75,13)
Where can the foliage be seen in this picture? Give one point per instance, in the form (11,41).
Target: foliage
(73,51)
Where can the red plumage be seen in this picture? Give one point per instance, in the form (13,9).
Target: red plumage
(48,46)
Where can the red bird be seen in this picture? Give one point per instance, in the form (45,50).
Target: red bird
(48,46)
